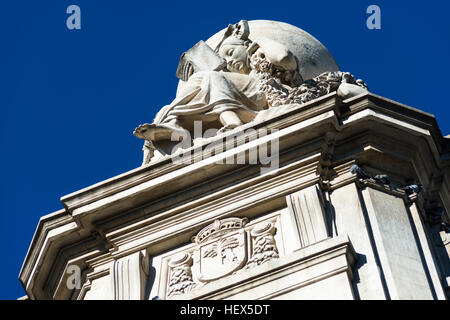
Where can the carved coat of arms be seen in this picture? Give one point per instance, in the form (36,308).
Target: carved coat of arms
(222,248)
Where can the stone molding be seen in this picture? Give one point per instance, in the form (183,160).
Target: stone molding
(129,277)
(308,214)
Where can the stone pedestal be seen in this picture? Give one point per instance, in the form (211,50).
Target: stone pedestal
(305,228)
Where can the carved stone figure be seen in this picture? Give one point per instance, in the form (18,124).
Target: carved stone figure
(255,76)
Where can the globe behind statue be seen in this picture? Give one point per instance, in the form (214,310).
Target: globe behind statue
(312,55)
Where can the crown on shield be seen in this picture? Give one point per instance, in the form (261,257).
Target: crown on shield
(218,228)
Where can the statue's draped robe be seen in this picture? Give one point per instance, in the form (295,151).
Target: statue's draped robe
(209,93)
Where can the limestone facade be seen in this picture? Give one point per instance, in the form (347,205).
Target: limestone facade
(308,228)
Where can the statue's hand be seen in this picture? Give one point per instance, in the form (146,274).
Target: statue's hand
(277,54)
(348,90)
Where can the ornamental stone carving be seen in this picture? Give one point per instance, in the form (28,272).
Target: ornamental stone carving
(222,248)
(264,246)
(180,278)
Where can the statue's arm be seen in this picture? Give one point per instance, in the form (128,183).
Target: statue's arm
(277,54)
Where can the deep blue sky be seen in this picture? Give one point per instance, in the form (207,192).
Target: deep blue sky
(70,99)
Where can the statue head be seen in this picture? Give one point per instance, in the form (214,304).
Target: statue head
(234,51)
(234,47)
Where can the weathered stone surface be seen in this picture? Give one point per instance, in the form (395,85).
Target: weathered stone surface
(347,217)
(396,245)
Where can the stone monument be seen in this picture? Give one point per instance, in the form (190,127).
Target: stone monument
(271,175)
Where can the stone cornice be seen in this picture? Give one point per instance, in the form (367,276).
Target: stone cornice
(41,241)
(400,111)
(160,168)
(294,115)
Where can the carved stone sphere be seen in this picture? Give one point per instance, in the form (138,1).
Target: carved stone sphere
(312,56)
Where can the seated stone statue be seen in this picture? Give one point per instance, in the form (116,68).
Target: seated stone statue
(258,75)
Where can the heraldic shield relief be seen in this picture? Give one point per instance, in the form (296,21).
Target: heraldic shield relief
(222,256)
(222,248)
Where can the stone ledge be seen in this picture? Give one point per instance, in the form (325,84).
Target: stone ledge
(165,166)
